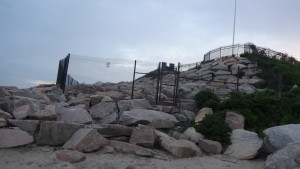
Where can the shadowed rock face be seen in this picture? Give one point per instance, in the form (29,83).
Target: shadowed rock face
(104,112)
(143,136)
(179,148)
(153,118)
(76,114)
(29,126)
(13,138)
(56,133)
(85,140)
(113,130)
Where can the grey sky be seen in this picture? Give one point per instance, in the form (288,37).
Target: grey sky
(36,34)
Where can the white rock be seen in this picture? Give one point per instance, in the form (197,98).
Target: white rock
(280,136)
(245,144)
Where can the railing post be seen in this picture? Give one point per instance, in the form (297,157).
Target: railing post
(133,79)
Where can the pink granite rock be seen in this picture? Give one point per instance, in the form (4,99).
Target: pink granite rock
(70,156)
(13,138)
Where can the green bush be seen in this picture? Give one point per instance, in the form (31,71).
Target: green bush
(214,128)
(265,109)
(207,98)
(272,69)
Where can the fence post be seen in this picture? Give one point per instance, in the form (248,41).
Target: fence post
(177,83)
(220,52)
(60,73)
(157,85)
(133,79)
(65,72)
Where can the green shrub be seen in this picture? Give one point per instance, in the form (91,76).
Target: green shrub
(265,109)
(272,69)
(207,98)
(214,128)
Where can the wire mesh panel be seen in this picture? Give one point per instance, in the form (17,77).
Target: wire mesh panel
(92,70)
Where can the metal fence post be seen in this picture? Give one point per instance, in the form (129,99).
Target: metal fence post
(177,83)
(157,85)
(133,79)
(65,72)
(238,78)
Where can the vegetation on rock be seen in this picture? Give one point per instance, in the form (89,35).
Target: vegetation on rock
(273,69)
(207,98)
(214,128)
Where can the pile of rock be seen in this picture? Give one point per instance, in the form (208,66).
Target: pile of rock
(221,76)
(87,122)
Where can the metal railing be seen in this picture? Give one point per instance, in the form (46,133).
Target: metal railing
(237,49)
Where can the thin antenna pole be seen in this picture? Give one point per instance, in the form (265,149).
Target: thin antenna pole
(233,27)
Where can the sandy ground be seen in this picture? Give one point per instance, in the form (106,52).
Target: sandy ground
(32,157)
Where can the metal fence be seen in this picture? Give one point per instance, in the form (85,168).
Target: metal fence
(237,49)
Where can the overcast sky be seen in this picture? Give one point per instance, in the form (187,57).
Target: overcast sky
(36,34)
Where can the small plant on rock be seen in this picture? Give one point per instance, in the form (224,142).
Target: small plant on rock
(214,128)
(207,98)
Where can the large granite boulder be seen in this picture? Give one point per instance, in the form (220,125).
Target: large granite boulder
(153,118)
(116,96)
(78,101)
(22,112)
(286,158)
(113,130)
(178,148)
(5,115)
(245,144)
(85,140)
(126,105)
(56,133)
(209,146)
(29,126)
(127,148)
(280,136)
(234,120)
(143,136)
(70,156)
(192,135)
(104,112)
(48,113)
(220,66)
(28,94)
(202,113)
(95,99)
(3,122)
(14,137)
(75,114)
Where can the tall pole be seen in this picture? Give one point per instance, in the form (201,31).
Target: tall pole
(233,27)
